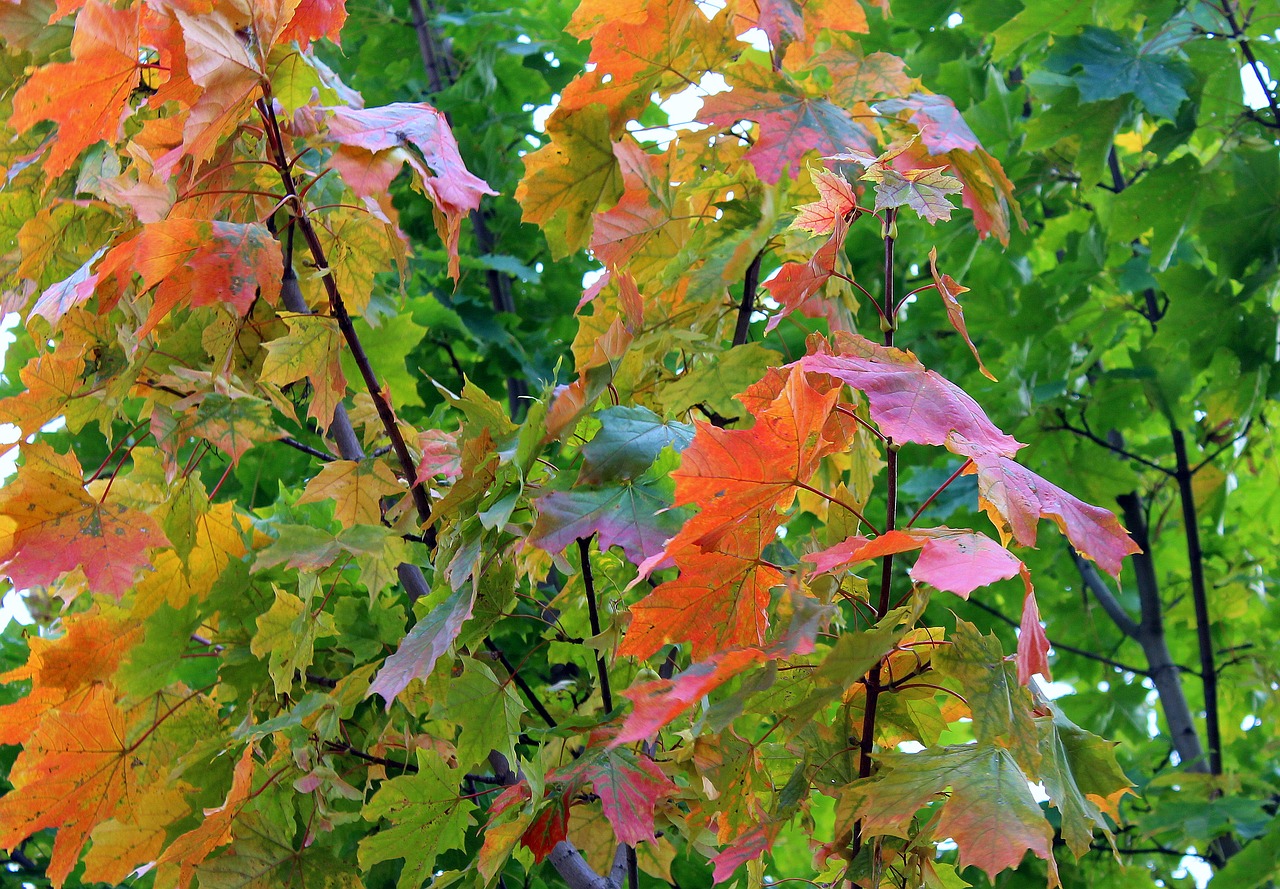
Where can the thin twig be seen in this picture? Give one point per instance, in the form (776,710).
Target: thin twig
(521,684)
(1119,665)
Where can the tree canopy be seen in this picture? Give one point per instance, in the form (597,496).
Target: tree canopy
(639,442)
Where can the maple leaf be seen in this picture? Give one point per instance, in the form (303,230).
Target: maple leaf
(660,701)
(186,853)
(909,402)
(494,709)
(748,847)
(1083,779)
(1001,709)
(629,787)
(990,812)
(785,21)
(1033,644)
(797,282)
(1016,499)
(950,560)
(426,817)
(836,199)
(88,652)
(429,639)
(791,122)
(88,97)
(442,175)
(72,774)
(594,375)
(670,47)
(942,129)
(60,298)
(719,599)
(634,515)
(287,633)
(950,292)
(923,190)
(49,380)
(311,349)
(196,262)
(314,19)
(569,178)
(730,473)
(857,77)
(629,440)
(49,525)
(357,489)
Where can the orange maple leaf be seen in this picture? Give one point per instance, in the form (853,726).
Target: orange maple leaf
(188,851)
(88,97)
(72,774)
(88,652)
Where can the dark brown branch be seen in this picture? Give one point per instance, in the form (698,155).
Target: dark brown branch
(339,747)
(748,305)
(1199,595)
(588,581)
(1238,35)
(338,308)
(1065,425)
(307,449)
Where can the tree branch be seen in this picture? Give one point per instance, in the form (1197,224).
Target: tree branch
(602,668)
(1084,432)
(748,305)
(1095,584)
(1199,596)
(521,684)
(1084,653)
(1238,35)
(307,449)
(338,308)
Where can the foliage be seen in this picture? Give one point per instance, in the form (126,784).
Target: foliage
(708,598)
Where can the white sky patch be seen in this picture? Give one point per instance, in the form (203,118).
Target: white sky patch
(757,38)
(12,608)
(541,113)
(955,20)
(1254,97)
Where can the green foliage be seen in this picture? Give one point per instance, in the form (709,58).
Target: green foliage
(442,571)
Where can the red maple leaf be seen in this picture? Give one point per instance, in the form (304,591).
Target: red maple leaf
(53,525)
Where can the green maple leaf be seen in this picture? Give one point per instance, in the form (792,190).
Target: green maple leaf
(287,633)
(1084,781)
(488,711)
(1111,66)
(426,816)
(629,440)
(990,813)
(1001,708)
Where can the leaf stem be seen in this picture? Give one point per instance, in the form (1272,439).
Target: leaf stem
(942,487)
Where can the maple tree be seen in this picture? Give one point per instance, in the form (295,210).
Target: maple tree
(322,611)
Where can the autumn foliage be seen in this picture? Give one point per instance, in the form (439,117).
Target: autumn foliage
(329,686)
